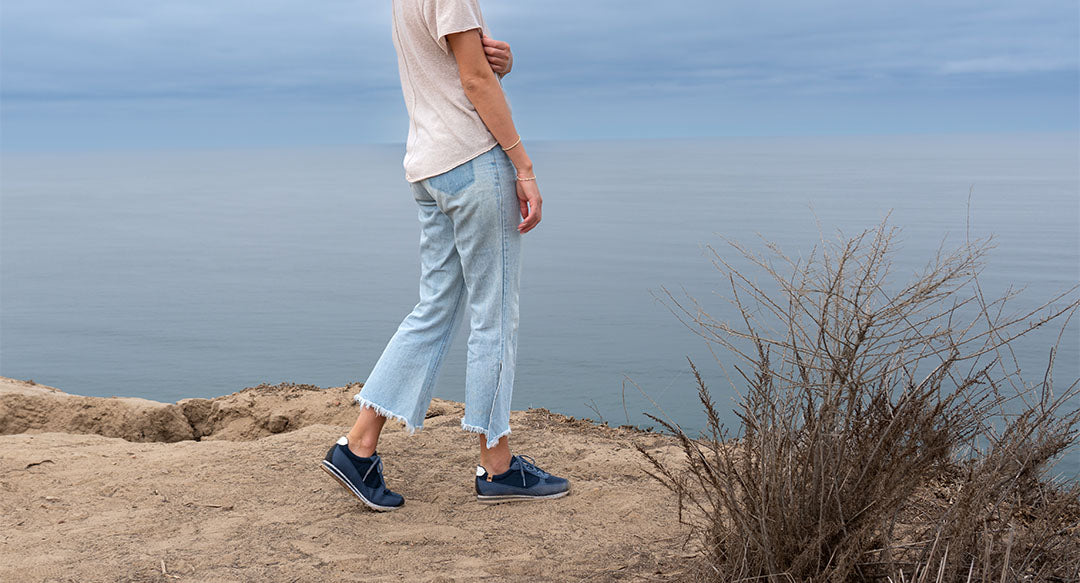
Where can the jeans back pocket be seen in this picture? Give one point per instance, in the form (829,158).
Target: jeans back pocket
(454,180)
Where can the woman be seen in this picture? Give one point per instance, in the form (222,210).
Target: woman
(471,178)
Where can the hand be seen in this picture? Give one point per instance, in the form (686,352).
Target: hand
(528,194)
(498,55)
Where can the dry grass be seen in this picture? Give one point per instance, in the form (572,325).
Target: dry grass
(884,432)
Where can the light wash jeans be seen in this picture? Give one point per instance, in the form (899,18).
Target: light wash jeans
(470,252)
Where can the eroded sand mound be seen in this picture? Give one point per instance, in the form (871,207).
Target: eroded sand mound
(249,503)
(27,407)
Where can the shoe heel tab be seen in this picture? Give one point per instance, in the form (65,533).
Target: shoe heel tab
(343,440)
(482,473)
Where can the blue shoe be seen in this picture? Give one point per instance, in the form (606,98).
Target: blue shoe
(362,476)
(523,481)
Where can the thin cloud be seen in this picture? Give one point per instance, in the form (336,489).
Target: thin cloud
(1008,65)
(637,57)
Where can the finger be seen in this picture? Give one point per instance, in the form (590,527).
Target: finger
(531,220)
(529,223)
(526,214)
(523,199)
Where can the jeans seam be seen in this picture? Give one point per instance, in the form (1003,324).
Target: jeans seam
(502,286)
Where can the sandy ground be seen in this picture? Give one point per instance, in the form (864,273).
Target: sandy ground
(230,489)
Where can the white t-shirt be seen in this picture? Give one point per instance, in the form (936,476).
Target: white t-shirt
(444,128)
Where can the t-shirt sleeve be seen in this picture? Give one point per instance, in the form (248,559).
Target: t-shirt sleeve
(449,16)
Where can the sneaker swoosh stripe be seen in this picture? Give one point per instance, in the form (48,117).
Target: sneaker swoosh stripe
(345,482)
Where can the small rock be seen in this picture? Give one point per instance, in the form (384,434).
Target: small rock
(277,423)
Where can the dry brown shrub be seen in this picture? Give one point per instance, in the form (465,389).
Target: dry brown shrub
(884,430)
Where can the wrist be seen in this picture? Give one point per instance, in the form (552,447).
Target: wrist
(523,167)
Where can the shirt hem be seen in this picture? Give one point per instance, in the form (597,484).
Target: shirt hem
(413,178)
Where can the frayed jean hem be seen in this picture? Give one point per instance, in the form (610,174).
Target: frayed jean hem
(383,411)
(492,441)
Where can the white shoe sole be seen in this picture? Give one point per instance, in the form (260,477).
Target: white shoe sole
(518,497)
(337,475)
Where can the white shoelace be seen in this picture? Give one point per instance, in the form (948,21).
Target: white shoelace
(375,460)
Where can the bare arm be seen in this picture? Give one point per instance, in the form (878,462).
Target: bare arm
(483,90)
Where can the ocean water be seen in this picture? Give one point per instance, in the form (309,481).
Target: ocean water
(173,274)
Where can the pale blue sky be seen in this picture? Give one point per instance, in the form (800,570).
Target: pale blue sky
(206,73)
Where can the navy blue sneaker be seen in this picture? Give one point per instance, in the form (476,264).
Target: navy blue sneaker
(523,481)
(362,476)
